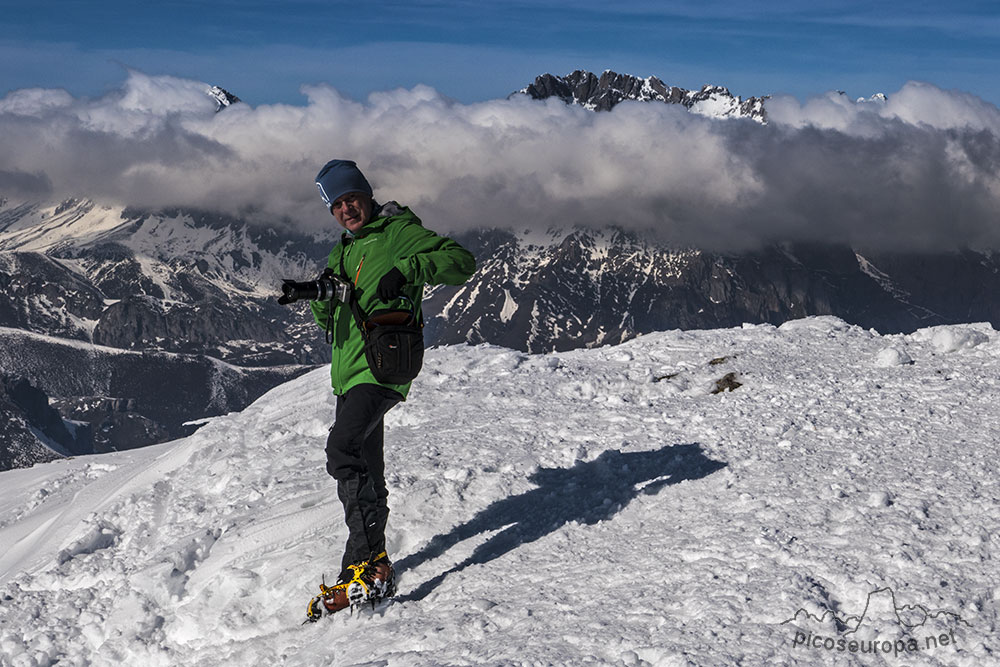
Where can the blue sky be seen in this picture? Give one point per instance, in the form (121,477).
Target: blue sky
(472,51)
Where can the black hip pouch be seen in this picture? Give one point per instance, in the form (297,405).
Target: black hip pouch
(394,346)
(394,339)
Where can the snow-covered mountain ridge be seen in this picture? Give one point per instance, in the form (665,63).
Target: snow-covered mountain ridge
(225,252)
(183,281)
(177,281)
(598,506)
(189,283)
(184,288)
(604,92)
(557,288)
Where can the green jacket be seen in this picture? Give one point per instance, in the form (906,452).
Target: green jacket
(394,237)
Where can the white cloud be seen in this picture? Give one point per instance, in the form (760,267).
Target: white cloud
(34,101)
(920,169)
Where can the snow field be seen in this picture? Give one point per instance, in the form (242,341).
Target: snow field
(591,507)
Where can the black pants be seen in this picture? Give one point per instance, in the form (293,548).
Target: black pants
(355,458)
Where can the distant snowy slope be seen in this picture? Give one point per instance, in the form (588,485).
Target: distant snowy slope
(130,399)
(596,506)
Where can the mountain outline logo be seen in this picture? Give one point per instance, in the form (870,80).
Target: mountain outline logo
(847,626)
(845,621)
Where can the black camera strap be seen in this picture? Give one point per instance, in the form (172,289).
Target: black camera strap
(359,316)
(343,275)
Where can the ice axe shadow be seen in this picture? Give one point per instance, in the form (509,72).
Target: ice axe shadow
(588,492)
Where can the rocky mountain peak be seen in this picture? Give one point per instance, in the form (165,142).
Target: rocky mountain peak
(222,97)
(604,92)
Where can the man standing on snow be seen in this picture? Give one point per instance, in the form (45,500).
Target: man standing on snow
(387,256)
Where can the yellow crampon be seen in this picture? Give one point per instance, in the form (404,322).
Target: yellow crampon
(357,589)
(315,609)
(361,592)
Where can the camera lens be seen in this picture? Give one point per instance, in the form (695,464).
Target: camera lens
(294,291)
(324,290)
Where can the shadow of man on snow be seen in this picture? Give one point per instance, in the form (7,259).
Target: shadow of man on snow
(588,492)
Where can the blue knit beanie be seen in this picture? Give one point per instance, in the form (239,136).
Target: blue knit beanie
(338,177)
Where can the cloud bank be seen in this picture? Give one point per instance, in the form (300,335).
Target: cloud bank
(921,170)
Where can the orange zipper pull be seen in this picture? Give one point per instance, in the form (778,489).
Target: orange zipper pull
(360,264)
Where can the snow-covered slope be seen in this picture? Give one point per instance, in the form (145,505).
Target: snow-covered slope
(596,506)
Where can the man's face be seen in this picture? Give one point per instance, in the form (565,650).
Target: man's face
(352,210)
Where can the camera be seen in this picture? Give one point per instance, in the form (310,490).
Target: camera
(327,287)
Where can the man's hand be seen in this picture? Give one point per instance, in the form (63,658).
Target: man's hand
(391,285)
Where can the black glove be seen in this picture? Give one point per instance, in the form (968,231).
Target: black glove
(391,285)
